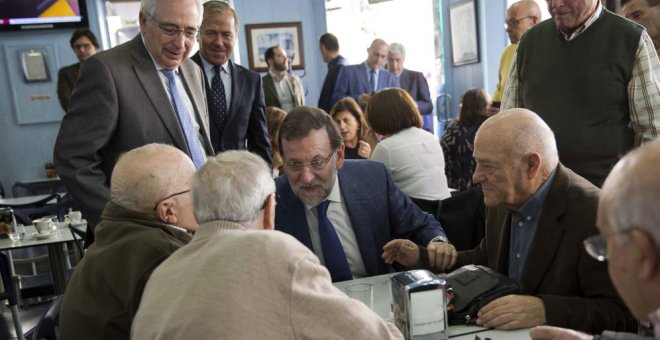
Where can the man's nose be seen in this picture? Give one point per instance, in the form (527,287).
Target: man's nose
(306,174)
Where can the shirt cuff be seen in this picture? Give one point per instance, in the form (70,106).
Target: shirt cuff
(440,238)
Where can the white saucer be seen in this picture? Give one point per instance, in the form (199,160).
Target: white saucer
(44,236)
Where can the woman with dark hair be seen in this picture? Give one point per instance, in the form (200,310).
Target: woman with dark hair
(458,139)
(274,118)
(357,137)
(412,154)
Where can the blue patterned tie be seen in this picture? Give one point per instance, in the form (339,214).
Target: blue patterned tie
(372,80)
(195,149)
(219,97)
(333,252)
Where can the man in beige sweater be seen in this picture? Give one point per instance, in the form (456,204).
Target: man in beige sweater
(239,279)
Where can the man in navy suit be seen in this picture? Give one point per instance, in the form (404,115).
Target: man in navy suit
(365,210)
(411,81)
(361,80)
(236,98)
(329,46)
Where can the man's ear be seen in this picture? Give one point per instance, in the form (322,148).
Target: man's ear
(648,254)
(340,156)
(269,213)
(167,212)
(532,164)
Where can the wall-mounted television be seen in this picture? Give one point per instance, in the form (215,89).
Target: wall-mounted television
(42,14)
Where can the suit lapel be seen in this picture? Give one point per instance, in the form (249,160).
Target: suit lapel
(213,119)
(149,78)
(196,93)
(363,77)
(357,204)
(292,210)
(269,89)
(238,86)
(549,234)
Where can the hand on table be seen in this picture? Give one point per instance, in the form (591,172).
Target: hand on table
(442,256)
(405,252)
(512,312)
(364,149)
(556,333)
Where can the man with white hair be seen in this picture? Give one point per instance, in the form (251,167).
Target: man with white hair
(240,279)
(149,216)
(629,222)
(539,212)
(411,81)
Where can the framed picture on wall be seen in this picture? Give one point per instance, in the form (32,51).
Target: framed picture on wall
(464,32)
(287,35)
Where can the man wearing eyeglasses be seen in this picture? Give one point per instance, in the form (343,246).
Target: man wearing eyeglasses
(143,91)
(84,45)
(629,223)
(520,17)
(234,93)
(343,210)
(538,214)
(149,216)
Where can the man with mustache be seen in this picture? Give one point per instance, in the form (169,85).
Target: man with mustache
(282,89)
(343,210)
(234,93)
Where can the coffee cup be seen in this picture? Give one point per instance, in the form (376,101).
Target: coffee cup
(43,225)
(73,217)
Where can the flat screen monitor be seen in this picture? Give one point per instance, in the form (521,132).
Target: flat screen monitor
(42,14)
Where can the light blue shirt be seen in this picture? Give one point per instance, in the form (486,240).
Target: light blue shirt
(524,223)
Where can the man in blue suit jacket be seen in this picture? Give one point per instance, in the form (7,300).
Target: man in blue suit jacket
(244,123)
(361,80)
(412,81)
(365,209)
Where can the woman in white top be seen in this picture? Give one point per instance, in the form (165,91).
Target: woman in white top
(413,155)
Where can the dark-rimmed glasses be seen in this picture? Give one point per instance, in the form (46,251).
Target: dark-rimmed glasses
(514,22)
(170,196)
(596,246)
(316,164)
(171,30)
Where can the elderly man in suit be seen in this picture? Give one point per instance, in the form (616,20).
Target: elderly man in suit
(219,277)
(539,212)
(84,45)
(343,210)
(282,90)
(361,80)
(149,216)
(143,91)
(234,93)
(411,81)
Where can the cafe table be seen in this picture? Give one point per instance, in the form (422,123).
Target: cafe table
(24,200)
(56,256)
(382,301)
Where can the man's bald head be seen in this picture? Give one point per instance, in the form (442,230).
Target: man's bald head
(515,152)
(146,175)
(377,54)
(520,17)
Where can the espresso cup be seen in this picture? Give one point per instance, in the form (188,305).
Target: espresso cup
(43,225)
(73,217)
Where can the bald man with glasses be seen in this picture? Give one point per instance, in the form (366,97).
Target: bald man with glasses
(143,91)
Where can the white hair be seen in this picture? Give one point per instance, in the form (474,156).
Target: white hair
(232,186)
(149,7)
(396,47)
(147,174)
(631,192)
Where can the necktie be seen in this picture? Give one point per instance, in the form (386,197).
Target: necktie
(372,80)
(185,119)
(333,252)
(219,98)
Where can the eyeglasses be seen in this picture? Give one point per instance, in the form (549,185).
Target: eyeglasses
(317,164)
(170,196)
(596,246)
(171,30)
(516,21)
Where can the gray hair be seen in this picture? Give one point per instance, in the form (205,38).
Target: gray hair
(149,7)
(147,174)
(221,7)
(232,186)
(396,47)
(526,133)
(631,192)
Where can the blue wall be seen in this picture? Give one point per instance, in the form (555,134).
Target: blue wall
(312,15)
(492,40)
(30,113)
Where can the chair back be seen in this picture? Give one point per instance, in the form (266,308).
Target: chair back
(48,326)
(463,217)
(26,215)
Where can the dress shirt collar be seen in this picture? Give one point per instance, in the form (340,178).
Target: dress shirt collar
(368,68)
(534,204)
(335,194)
(208,67)
(586,24)
(334,62)
(276,77)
